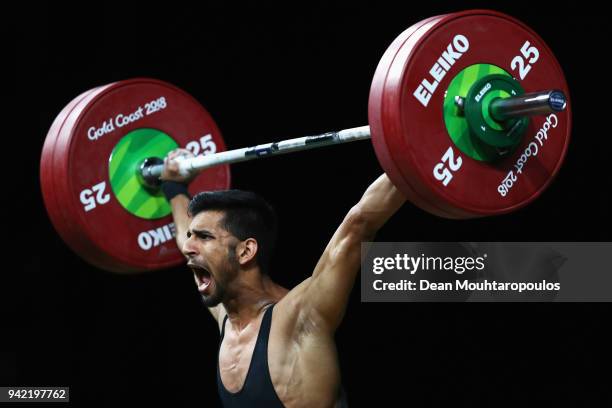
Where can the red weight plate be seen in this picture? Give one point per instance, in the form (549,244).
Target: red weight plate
(375,113)
(417,136)
(106,234)
(46,158)
(62,219)
(392,133)
(65,227)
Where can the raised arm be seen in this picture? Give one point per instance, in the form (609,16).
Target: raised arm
(178,202)
(326,293)
(179,206)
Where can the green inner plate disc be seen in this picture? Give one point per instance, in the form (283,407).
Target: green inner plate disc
(123,169)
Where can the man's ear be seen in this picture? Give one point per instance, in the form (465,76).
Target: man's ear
(246,251)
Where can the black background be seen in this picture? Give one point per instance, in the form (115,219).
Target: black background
(266,73)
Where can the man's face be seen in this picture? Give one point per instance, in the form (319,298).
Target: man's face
(210,250)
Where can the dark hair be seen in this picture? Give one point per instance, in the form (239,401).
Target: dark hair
(246,215)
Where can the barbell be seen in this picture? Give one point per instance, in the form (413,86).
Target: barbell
(468,115)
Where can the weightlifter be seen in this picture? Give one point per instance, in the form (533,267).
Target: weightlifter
(277,345)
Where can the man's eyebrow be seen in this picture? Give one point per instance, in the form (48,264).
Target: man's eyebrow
(201,233)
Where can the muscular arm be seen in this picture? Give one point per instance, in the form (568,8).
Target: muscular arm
(325,297)
(179,206)
(180,202)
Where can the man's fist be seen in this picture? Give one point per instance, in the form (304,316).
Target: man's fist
(171,166)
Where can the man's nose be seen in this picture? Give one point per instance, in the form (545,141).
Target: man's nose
(189,249)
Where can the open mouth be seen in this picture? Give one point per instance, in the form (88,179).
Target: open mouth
(202,276)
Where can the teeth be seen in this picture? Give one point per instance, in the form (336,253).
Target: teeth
(202,287)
